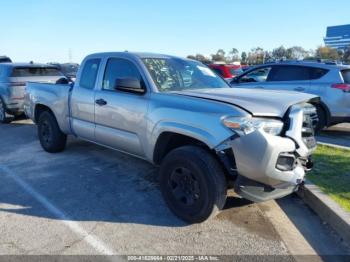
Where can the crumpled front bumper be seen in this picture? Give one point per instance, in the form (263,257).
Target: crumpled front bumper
(260,178)
(269,166)
(257,155)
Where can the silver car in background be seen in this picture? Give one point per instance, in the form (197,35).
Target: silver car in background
(13,78)
(330,82)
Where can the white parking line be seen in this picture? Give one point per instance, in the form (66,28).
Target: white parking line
(93,241)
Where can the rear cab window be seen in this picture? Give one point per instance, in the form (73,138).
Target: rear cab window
(35,71)
(346,75)
(89,73)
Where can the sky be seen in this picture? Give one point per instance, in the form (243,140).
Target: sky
(59,31)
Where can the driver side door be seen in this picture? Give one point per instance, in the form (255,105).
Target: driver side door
(120,116)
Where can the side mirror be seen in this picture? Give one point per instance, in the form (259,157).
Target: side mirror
(132,85)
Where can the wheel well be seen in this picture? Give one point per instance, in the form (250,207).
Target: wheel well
(168,141)
(325,109)
(39,109)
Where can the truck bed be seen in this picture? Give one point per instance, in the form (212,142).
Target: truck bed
(54,96)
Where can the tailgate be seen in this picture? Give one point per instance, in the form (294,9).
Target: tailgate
(17,84)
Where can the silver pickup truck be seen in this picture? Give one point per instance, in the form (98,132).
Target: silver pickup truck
(178,114)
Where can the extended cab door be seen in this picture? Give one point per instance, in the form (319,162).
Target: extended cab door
(120,116)
(82,100)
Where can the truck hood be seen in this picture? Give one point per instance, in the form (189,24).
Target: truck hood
(272,103)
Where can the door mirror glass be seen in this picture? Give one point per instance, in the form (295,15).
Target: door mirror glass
(132,85)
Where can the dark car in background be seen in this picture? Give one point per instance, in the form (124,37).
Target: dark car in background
(331,82)
(5,59)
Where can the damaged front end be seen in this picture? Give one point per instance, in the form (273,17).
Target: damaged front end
(266,165)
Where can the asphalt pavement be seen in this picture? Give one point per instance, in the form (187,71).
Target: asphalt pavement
(92,200)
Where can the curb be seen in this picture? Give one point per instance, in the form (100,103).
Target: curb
(327,209)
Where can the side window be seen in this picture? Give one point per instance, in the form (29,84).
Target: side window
(119,68)
(317,73)
(289,73)
(257,75)
(89,74)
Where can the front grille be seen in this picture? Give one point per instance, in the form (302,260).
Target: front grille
(310,120)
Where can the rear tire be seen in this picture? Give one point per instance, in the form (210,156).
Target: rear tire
(193,184)
(4,117)
(322,119)
(52,139)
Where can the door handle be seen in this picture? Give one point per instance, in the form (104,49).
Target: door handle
(101,102)
(299,88)
(260,87)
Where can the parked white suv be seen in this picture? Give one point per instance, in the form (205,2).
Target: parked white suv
(330,82)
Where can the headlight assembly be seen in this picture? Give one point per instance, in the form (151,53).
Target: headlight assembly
(246,125)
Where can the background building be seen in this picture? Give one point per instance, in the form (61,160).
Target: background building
(338,36)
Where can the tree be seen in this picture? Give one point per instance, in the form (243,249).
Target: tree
(256,56)
(346,55)
(200,58)
(268,56)
(244,57)
(296,53)
(328,53)
(219,56)
(234,55)
(279,53)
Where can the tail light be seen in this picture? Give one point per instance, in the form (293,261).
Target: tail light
(344,87)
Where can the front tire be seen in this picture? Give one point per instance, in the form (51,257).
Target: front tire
(52,139)
(193,184)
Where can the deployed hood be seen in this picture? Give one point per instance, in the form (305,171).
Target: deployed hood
(273,103)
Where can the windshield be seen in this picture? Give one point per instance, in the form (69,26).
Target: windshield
(175,74)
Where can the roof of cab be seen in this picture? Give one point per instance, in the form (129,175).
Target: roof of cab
(133,54)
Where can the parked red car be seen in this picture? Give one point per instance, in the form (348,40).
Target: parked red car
(226,71)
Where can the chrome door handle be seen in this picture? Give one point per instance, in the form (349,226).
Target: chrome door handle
(101,102)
